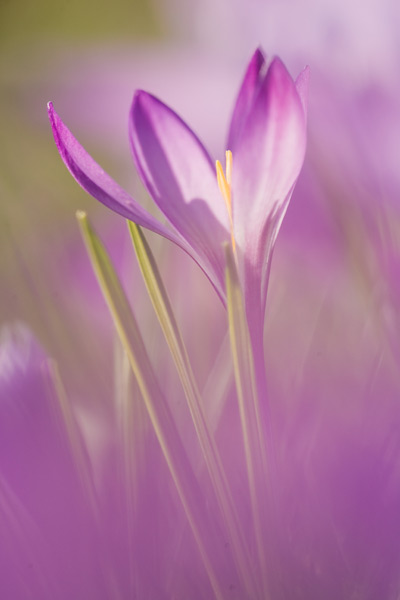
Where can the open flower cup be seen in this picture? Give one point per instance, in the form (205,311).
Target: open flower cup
(204,210)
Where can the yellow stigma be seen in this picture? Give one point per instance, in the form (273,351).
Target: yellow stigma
(224,184)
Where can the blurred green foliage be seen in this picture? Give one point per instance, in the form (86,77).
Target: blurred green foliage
(39,238)
(24,21)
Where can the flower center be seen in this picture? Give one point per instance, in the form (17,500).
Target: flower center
(224,184)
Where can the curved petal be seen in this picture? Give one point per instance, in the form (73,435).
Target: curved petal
(267,162)
(98,183)
(270,151)
(101,186)
(181,178)
(246,96)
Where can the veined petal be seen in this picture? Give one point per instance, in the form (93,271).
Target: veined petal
(271,149)
(101,186)
(98,183)
(180,177)
(246,96)
(267,162)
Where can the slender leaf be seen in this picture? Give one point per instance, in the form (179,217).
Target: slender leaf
(156,405)
(253,441)
(166,317)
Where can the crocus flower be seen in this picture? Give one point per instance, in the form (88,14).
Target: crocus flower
(245,206)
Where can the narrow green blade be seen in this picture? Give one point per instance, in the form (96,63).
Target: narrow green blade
(254,445)
(156,405)
(166,317)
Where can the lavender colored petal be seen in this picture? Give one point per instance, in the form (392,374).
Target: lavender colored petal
(266,166)
(101,186)
(271,151)
(246,96)
(180,177)
(98,183)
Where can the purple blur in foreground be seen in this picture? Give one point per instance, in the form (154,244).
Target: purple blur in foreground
(49,543)
(65,535)
(267,137)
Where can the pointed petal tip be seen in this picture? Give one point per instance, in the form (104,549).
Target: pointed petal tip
(56,125)
(142,99)
(137,96)
(258,56)
(277,79)
(51,112)
(277,63)
(143,104)
(53,117)
(303,78)
(278,69)
(246,95)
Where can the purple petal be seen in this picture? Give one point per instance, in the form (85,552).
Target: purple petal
(270,151)
(96,181)
(181,178)
(246,96)
(267,162)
